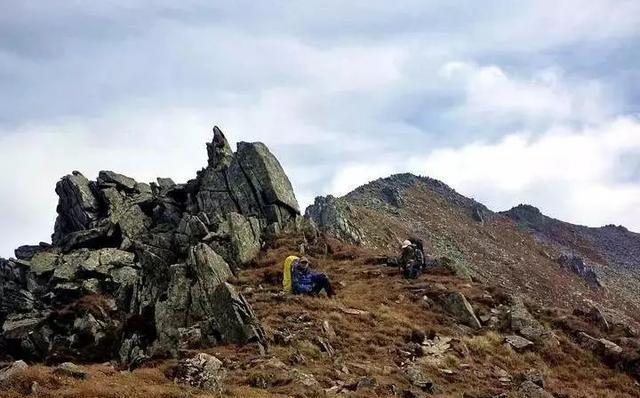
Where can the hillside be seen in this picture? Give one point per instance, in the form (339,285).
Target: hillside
(612,252)
(488,246)
(382,336)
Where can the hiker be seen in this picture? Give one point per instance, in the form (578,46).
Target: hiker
(412,259)
(305,281)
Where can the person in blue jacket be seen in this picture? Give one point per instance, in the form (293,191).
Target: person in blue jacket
(305,281)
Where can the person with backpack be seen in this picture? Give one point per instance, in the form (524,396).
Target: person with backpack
(412,259)
(304,281)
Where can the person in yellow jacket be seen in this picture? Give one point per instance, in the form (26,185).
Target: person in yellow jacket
(299,279)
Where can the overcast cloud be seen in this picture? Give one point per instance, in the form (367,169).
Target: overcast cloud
(529,103)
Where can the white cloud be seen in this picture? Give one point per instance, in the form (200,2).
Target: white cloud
(342,93)
(491,93)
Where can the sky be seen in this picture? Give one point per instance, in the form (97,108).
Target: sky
(508,102)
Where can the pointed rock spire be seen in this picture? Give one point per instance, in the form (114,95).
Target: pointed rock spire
(219,151)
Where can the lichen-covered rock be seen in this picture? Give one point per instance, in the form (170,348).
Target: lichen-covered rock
(69,369)
(12,370)
(266,175)
(78,205)
(458,306)
(108,178)
(245,237)
(125,213)
(522,322)
(203,371)
(160,253)
(44,262)
(333,216)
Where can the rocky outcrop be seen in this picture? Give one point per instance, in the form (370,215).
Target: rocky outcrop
(333,216)
(457,305)
(577,265)
(203,371)
(138,270)
(522,322)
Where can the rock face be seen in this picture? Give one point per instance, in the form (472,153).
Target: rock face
(577,265)
(137,269)
(456,304)
(203,371)
(522,322)
(334,217)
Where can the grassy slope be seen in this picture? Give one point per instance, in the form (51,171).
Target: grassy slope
(368,344)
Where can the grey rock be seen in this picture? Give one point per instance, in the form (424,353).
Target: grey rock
(303,378)
(392,196)
(98,236)
(266,175)
(522,322)
(117,239)
(533,375)
(125,213)
(419,379)
(577,265)
(171,314)
(165,183)
(203,371)
(27,252)
(109,178)
(131,353)
(518,343)
(12,370)
(44,262)
(69,369)
(458,306)
(233,319)
(78,206)
(529,389)
(333,216)
(601,346)
(218,150)
(18,326)
(245,237)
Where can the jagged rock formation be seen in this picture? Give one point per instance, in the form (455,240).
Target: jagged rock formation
(138,270)
(334,217)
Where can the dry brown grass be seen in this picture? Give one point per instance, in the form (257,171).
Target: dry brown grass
(367,344)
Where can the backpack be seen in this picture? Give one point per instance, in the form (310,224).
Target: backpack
(419,245)
(287,281)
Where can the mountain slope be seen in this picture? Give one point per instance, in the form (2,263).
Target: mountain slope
(612,252)
(382,336)
(491,246)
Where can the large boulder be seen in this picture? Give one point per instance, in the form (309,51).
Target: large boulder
(333,216)
(108,178)
(203,371)
(266,175)
(458,306)
(199,297)
(15,368)
(522,322)
(78,205)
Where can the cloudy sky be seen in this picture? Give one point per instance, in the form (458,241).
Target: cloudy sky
(534,102)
